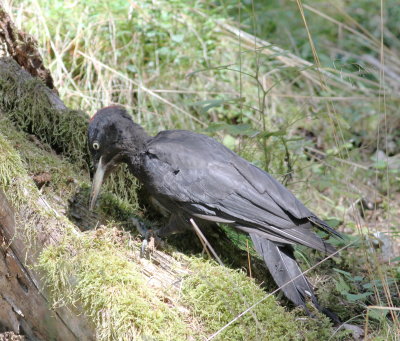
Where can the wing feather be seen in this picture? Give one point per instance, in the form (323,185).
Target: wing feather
(206,179)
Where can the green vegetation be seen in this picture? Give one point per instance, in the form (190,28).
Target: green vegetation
(318,120)
(217,295)
(24,103)
(13,173)
(63,130)
(100,272)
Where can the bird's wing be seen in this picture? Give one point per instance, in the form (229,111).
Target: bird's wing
(206,179)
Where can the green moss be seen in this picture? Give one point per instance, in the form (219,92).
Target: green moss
(38,158)
(94,272)
(116,208)
(13,177)
(216,295)
(23,100)
(124,187)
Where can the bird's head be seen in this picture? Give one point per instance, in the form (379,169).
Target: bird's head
(112,137)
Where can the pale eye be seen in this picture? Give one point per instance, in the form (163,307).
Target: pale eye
(96,145)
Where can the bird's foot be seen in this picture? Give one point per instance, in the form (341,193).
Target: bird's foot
(150,243)
(151,239)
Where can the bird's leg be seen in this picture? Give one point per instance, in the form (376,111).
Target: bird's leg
(176,224)
(150,238)
(150,243)
(140,226)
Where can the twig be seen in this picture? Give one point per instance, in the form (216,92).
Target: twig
(248,258)
(205,242)
(350,163)
(202,242)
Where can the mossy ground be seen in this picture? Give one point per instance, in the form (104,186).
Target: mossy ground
(100,271)
(217,295)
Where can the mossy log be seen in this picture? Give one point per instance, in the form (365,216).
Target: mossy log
(24,305)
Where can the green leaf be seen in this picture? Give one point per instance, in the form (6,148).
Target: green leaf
(357,297)
(212,103)
(267,134)
(333,222)
(358,278)
(164,50)
(132,68)
(241,129)
(342,286)
(378,283)
(381,164)
(347,274)
(213,127)
(178,38)
(378,314)
(229,141)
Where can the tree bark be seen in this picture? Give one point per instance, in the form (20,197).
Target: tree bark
(24,304)
(22,48)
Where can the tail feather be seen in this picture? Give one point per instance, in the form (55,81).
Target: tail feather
(284,268)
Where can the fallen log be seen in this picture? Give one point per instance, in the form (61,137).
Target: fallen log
(24,305)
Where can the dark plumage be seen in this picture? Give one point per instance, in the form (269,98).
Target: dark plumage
(192,175)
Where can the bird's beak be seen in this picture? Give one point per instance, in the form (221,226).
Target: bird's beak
(97,182)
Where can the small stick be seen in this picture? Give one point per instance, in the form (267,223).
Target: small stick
(248,258)
(198,233)
(205,242)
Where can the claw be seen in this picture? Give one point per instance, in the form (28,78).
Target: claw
(148,243)
(151,243)
(143,248)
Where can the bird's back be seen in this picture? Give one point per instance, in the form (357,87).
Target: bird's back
(196,164)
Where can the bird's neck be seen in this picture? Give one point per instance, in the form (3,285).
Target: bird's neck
(139,136)
(135,165)
(134,140)
(135,150)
